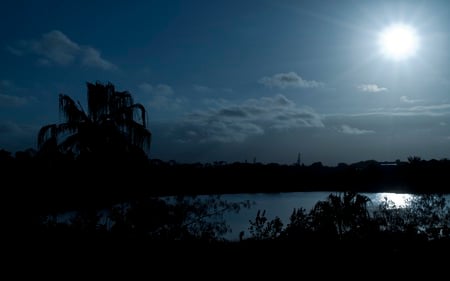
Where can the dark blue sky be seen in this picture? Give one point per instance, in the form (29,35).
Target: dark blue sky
(235,80)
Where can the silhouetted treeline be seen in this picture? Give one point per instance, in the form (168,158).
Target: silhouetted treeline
(412,175)
(415,176)
(125,175)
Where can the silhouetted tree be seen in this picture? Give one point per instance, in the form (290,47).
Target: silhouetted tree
(109,127)
(429,215)
(391,218)
(341,215)
(264,229)
(299,226)
(414,160)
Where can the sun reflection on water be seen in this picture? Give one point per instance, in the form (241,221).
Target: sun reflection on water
(400,200)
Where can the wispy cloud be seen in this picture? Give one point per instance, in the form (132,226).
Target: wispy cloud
(9,97)
(14,51)
(237,122)
(227,90)
(160,89)
(405,99)
(10,100)
(201,88)
(434,109)
(92,57)
(56,48)
(166,102)
(288,80)
(422,110)
(163,89)
(160,96)
(146,87)
(8,127)
(346,129)
(371,88)
(430,107)
(6,84)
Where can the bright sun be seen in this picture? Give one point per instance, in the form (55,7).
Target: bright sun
(398,42)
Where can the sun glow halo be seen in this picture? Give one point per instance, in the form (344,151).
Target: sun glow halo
(398,41)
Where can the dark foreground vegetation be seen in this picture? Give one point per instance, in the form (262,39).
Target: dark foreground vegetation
(70,198)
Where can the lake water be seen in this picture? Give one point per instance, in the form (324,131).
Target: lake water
(282,205)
